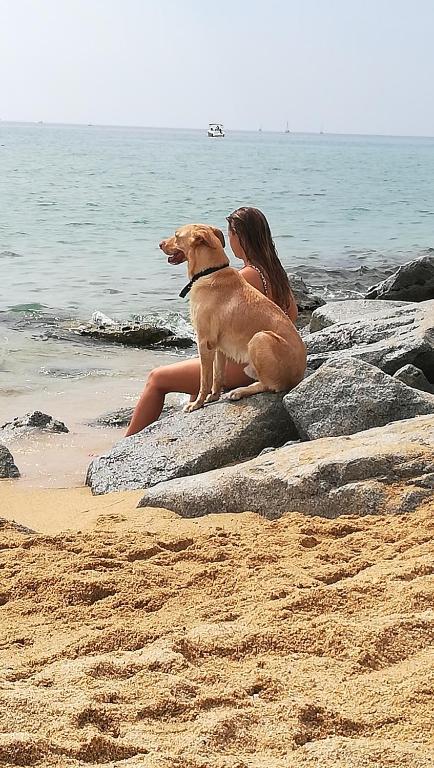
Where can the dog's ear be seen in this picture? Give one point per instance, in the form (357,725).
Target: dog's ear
(205,236)
(218,233)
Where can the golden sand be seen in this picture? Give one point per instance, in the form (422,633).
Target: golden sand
(138,638)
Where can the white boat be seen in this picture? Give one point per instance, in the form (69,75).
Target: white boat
(215,131)
(287,128)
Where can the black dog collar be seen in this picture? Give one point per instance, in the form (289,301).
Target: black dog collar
(195,277)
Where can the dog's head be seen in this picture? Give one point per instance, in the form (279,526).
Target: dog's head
(191,239)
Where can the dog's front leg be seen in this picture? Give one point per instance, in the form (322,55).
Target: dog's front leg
(206,376)
(218,377)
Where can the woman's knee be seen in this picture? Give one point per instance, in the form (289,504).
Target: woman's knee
(157,379)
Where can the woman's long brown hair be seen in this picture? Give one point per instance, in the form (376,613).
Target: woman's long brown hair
(253,231)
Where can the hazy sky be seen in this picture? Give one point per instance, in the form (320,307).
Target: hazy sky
(363,66)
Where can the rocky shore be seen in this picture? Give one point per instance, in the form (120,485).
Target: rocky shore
(358,431)
(370,367)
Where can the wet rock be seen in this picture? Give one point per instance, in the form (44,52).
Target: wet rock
(36,420)
(348,396)
(8,468)
(382,470)
(306,300)
(413,281)
(348,311)
(121,417)
(186,444)
(389,340)
(143,331)
(414,377)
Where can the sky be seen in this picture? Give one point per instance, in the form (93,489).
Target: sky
(341,66)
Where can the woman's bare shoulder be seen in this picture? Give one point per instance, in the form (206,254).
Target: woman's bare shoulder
(253,277)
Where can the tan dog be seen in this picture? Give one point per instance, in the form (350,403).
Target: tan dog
(233,320)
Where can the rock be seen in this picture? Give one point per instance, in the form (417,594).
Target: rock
(414,377)
(348,396)
(381,470)
(389,340)
(186,444)
(349,310)
(271,448)
(168,330)
(119,418)
(8,467)
(35,420)
(413,281)
(306,301)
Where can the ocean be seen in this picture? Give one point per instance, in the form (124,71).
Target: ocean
(83,208)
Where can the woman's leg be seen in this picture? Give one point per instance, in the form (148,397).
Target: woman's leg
(179,377)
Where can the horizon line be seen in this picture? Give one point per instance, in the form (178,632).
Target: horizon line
(233,130)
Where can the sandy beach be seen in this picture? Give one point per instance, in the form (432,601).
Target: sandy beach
(134,637)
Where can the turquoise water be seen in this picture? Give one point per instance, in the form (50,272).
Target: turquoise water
(82,209)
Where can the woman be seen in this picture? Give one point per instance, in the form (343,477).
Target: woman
(251,242)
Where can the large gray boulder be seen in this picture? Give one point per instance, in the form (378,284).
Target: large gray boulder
(414,377)
(187,444)
(347,396)
(384,470)
(391,339)
(413,281)
(348,311)
(8,467)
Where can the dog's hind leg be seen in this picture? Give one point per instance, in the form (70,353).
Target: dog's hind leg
(269,357)
(251,389)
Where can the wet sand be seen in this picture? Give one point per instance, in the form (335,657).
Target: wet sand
(48,460)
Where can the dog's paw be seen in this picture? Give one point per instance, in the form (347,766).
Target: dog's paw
(193,406)
(213,398)
(235,394)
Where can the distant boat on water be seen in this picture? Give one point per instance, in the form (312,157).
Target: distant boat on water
(287,128)
(216,131)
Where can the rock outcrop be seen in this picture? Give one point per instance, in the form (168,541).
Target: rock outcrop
(349,311)
(413,281)
(8,467)
(387,469)
(187,444)
(348,396)
(391,339)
